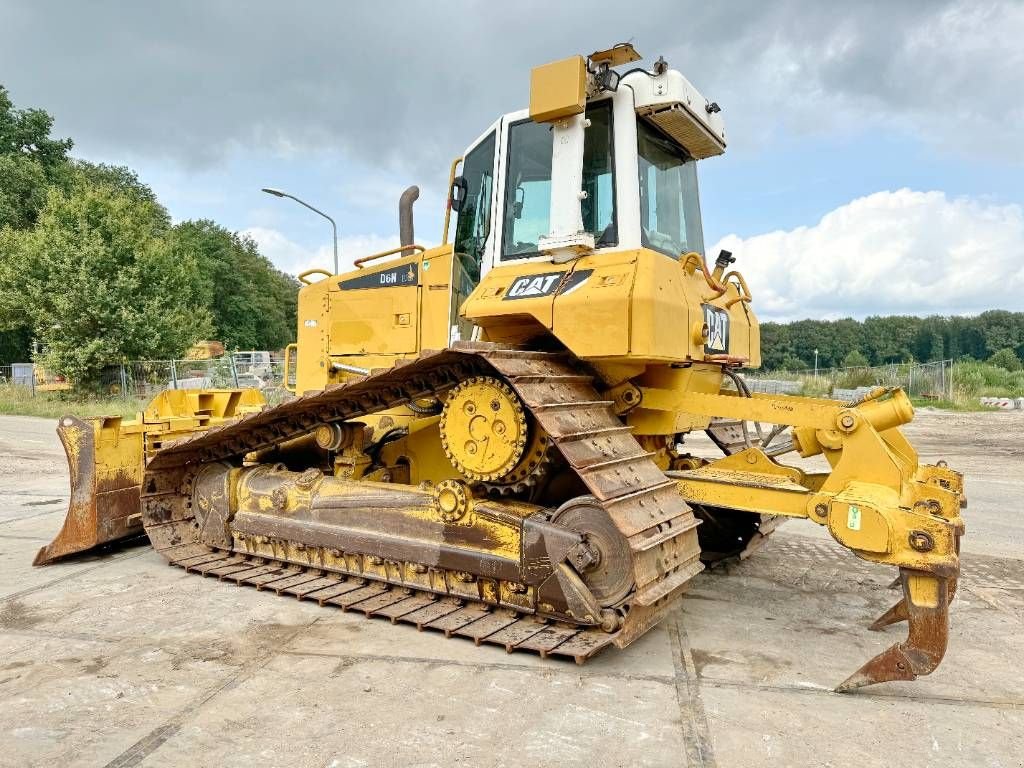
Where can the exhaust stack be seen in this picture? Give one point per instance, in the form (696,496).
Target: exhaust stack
(405,222)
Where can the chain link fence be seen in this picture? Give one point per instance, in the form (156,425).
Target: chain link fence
(928,381)
(142,379)
(19,375)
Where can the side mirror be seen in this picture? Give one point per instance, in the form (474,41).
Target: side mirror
(458,192)
(517,206)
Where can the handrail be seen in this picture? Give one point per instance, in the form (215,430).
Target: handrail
(702,265)
(287,364)
(314,271)
(448,204)
(359,262)
(742,290)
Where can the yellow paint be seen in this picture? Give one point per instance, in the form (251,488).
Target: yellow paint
(637,319)
(630,309)
(856,521)
(373,327)
(558,89)
(483,428)
(421,451)
(923,590)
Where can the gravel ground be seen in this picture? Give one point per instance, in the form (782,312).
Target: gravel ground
(121,661)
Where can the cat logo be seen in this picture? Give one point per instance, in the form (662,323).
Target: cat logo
(718,330)
(533,286)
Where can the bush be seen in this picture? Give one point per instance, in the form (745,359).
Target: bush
(855,359)
(1007,359)
(852,378)
(793,363)
(987,380)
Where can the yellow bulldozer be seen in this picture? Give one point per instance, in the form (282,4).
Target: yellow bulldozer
(488,437)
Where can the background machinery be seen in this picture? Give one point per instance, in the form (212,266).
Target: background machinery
(488,436)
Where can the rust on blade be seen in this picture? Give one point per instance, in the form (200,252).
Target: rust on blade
(106,478)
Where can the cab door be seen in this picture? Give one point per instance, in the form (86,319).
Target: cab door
(474,198)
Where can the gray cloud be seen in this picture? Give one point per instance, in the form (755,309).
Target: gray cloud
(406,85)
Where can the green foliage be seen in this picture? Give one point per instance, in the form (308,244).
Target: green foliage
(792,363)
(893,339)
(974,379)
(15,345)
(29,162)
(92,270)
(1006,359)
(253,305)
(83,175)
(855,359)
(20,401)
(852,378)
(99,283)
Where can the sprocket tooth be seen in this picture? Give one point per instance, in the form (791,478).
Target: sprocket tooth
(926,597)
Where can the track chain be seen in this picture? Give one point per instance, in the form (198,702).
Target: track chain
(643,504)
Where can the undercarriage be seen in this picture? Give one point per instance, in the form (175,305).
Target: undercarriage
(545,524)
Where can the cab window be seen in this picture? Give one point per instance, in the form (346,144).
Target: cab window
(527,189)
(474,223)
(599,176)
(669,203)
(528,183)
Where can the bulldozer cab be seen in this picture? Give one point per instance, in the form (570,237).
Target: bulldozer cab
(613,171)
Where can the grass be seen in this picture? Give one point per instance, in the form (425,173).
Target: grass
(960,403)
(971,381)
(986,380)
(19,401)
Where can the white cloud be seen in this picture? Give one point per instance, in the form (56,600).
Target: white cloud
(203,82)
(290,257)
(901,252)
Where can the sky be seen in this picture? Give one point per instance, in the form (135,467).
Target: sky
(875,151)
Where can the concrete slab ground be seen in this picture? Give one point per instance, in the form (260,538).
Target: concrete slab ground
(122,661)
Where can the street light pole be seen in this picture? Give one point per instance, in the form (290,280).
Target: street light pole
(815,362)
(334,227)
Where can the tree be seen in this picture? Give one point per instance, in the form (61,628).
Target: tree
(792,363)
(253,305)
(15,346)
(83,174)
(1006,358)
(1001,330)
(855,359)
(29,162)
(98,284)
(895,338)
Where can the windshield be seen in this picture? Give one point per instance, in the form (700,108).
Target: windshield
(669,203)
(474,224)
(528,183)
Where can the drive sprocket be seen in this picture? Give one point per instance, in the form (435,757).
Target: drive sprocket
(490,438)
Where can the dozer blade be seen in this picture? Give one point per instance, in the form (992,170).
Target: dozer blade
(926,608)
(106,477)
